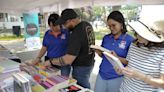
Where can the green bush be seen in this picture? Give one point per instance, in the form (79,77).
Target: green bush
(100,33)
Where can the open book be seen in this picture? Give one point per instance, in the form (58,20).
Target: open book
(100,48)
(111,58)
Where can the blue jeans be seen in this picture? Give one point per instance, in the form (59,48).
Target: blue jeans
(112,85)
(65,70)
(82,75)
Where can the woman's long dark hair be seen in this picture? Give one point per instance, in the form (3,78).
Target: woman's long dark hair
(150,44)
(153,44)
(117,16)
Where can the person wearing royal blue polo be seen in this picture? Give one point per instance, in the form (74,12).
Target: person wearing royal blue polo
(118,42)
(55,43)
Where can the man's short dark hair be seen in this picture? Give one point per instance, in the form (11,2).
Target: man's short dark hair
(67,14)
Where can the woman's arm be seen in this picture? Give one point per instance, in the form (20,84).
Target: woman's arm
(40,55)
(156,82)
(123,60)
(99,52)
(42,52)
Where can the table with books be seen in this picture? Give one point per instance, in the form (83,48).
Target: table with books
(39,79)
(7,69)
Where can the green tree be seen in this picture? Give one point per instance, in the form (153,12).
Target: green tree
(86,13)
(131,12)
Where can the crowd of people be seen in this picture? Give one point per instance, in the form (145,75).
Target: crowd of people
(68,41)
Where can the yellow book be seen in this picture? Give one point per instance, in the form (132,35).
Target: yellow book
(38,88)
(1,69)
(44,73)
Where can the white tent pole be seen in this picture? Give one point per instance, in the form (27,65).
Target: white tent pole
(59,8)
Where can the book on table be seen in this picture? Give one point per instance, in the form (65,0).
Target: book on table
(7,65)
(74,88)
(21,83)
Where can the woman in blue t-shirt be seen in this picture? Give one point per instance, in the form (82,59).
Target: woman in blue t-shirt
(118,42)
(55,43)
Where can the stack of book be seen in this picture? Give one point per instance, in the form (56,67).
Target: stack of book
(53,83)
(7,85)
(49,71)
(7,68)
(22,82)
(46,79)
(39,69)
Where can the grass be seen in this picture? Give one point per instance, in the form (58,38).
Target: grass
(10,37)
(99,34)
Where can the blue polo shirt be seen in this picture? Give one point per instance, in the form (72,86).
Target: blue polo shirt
(56,46)
(120,46)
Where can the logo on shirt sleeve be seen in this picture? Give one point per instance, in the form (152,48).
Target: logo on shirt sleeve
(122,44)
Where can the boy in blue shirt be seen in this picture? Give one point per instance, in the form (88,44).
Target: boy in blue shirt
(55,43)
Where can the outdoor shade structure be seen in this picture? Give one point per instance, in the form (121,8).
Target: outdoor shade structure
(21,6)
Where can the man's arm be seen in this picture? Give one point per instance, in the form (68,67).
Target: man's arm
(65,60)
(61,61)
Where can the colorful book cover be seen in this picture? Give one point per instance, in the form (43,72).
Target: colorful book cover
(1,69)
(49,81)
(53,80)
(72,88)
(38,88)
(59,78)
(48,85)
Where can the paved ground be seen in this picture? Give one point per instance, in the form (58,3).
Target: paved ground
(18,45)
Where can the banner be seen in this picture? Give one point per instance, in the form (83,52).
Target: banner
(32,31)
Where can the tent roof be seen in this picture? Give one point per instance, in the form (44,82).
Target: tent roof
(11,6)
(19,6)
